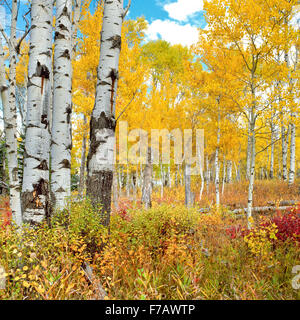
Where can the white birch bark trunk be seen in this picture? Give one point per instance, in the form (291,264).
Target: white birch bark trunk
(176,176)
(217,166)
(201,176)
(121,180)
(181,178)
(284,143)
(133,184)
(217,178)
(82,161)
(248,165)
(271,173)
(168,177)
(224,175)
(252,170)
(76,18)
(187,182)
(35,188)
(229,171)
(61,143)
(8,97)
(162,181)
(292,154)
(100,160)
(147,183)
(238,176)
(207,174)
(128,182)
(252,148)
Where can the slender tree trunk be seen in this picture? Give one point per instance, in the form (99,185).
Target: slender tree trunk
(207,175)
(217,178)
(147,182)
(169,177)
(229,171)
(61,143)
(75,21)
(252,172)
(248,165)
(217,165)
(292,154)
(35,189)
(284,141)
(236,170)
(187,182)
(224,174)
(201,176)
(10,120)
(271,174)
(238,176)
(162,181)
(279,166)
(128,183)
(100,160)
(181,175)
(115,189)
(141,176)
(176,176)
(82,162)
(133,184)
(121,180)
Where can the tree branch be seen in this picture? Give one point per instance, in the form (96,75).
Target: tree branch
(126,9)
(20,41)
(5,35)
(28,29)
(126,106)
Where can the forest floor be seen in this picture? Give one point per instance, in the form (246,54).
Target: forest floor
(235,195)
(167,252)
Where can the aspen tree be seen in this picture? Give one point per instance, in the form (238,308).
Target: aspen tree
(147,182)
(61,142)
(100,160)
(8,96)
(35,188)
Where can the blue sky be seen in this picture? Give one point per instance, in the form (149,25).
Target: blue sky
(175,21)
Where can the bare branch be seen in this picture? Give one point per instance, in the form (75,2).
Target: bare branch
(126,9)
(18,46)
(126,106)
(5,35)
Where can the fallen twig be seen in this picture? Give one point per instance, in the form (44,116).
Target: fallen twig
(101,293)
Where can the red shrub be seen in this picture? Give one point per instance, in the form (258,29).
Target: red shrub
(288,224)
(5,214)
(123,214)
(236,231)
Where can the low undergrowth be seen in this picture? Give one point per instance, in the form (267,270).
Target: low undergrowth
(167,252)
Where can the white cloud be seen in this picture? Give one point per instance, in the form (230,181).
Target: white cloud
(172,32)
(2,16)
(182,9)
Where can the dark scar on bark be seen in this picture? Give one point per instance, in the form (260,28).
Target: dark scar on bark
(65,164)
(31,200)
(114,76)
(43,72)
(103,122)
(44,120)
(116,42)
(42,166)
